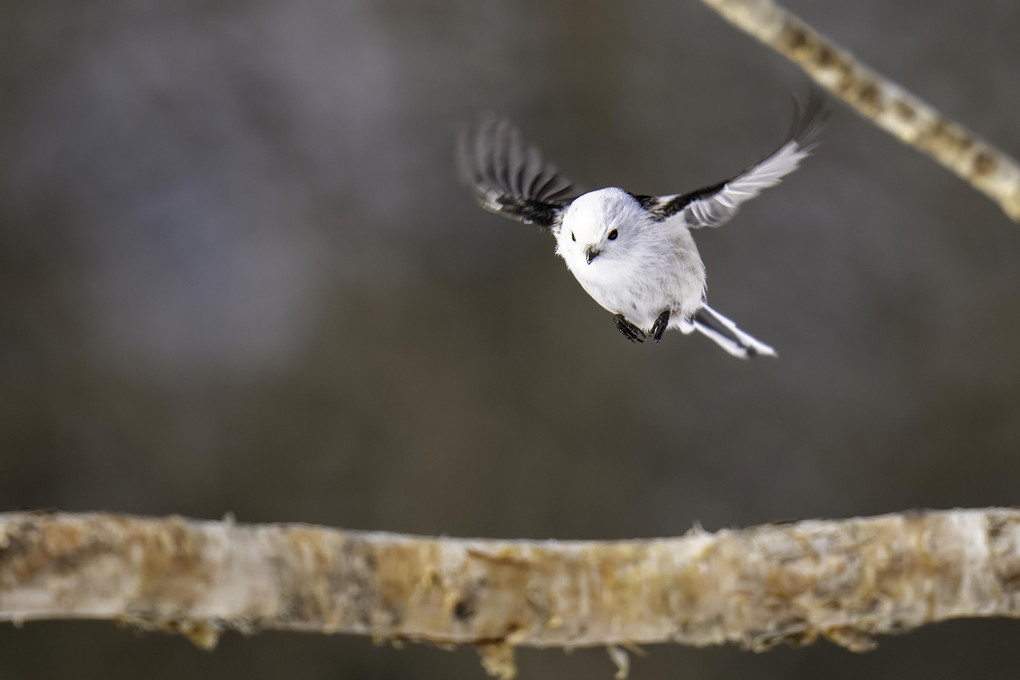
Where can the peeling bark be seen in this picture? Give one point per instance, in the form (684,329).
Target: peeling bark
(881,101)
(843,579)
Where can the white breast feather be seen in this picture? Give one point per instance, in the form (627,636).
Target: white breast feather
(651,267)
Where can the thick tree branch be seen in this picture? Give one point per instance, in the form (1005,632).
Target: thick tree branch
(880,100)
(844,579)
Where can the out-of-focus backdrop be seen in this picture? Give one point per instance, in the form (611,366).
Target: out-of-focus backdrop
(237,274)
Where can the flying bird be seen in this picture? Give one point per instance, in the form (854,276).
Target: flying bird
(632,253)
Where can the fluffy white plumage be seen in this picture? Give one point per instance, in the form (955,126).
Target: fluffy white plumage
(633,254)
(648,267)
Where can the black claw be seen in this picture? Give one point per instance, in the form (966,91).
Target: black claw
(629,330)
(660,326)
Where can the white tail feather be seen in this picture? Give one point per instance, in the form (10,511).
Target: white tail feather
(737,342)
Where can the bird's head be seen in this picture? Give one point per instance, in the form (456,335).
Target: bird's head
(599,225)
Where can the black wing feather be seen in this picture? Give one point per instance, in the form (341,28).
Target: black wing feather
(509,176)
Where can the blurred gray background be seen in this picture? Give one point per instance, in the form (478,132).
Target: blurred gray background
(237,274)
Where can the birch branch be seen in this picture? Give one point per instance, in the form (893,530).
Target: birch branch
(842,579)
(881,101)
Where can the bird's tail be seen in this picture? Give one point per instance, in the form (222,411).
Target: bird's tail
(725,333)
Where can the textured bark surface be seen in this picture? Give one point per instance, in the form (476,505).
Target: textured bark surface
(880,100)
(845,579)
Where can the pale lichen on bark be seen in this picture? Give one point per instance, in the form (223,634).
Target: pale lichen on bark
(843,579)
(880,100)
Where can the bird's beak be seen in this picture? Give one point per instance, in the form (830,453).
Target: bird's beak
(591,253)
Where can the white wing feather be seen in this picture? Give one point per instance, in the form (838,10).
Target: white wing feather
(717,204)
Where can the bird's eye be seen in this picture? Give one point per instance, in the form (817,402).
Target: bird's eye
(572,237)
(613,234)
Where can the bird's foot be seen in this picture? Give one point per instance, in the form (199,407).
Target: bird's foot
(629,330)
(660,326)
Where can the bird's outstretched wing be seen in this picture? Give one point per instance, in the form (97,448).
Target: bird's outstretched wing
(509,176)
(717,204)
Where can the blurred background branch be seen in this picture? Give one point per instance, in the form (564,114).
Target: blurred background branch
(880,100)
(842,579)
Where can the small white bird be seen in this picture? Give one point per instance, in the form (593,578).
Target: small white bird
(632,253)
